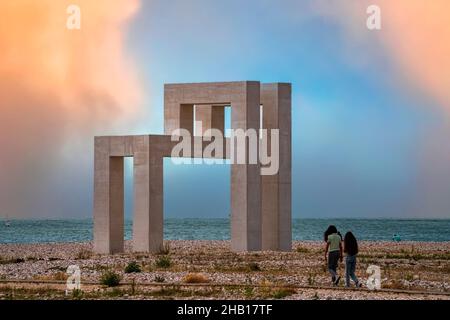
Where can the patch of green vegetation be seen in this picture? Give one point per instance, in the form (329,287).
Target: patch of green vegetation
(175,291)
(115,292)
(169,291)
(159,279)
(77,294)
(409,276)
(133,267)
(248,292)
(163,262)
(253,266)
(110,279)
(311,279)
(283,293)
(301,249)
(13,293)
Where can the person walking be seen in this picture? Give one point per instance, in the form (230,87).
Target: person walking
(333,252)
(351,251)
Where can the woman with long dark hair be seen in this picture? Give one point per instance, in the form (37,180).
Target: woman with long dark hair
(333,251)
(351,250)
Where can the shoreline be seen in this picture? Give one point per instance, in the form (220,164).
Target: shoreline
(382,242)
(76,230)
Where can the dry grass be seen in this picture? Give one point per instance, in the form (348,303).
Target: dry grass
(58,276)
(84,254)
(165,249)
(195,278)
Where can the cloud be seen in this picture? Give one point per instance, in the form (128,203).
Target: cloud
(415,35)
(55,85)
(418,35)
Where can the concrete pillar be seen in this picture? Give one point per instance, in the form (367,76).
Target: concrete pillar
(276,189)
(148,196)
(108,199)
(245,178)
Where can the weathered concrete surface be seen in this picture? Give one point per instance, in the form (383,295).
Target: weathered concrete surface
(243,97)
(276,189)
(108,199)
(260,205)
(211,117)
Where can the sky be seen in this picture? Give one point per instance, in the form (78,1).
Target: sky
(370,108)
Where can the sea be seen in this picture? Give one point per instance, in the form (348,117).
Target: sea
(36,231)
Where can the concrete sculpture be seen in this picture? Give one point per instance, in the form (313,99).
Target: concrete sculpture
(260,204)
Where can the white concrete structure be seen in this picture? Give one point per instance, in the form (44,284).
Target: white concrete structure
(260,205)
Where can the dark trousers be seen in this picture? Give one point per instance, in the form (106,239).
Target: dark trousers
(333,259)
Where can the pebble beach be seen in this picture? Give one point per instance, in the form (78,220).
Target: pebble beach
(204,269)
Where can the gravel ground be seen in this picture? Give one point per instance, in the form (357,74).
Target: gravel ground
(422,266)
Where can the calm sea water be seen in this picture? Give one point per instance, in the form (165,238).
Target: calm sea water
(29,231)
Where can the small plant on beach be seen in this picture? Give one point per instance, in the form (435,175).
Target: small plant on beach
(163,262)
(301,249)
(133,267)
(248,292)
(409,276)
(114,293)
(77,294)
(311,279)
(283,293)
(110,279)
(195,278)
(84,254)
(165,249)
(253,266)
(159,279)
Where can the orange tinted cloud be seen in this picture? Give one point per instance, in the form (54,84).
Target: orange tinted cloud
(414,33)
(416,37)
(418,34)
(56,82)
